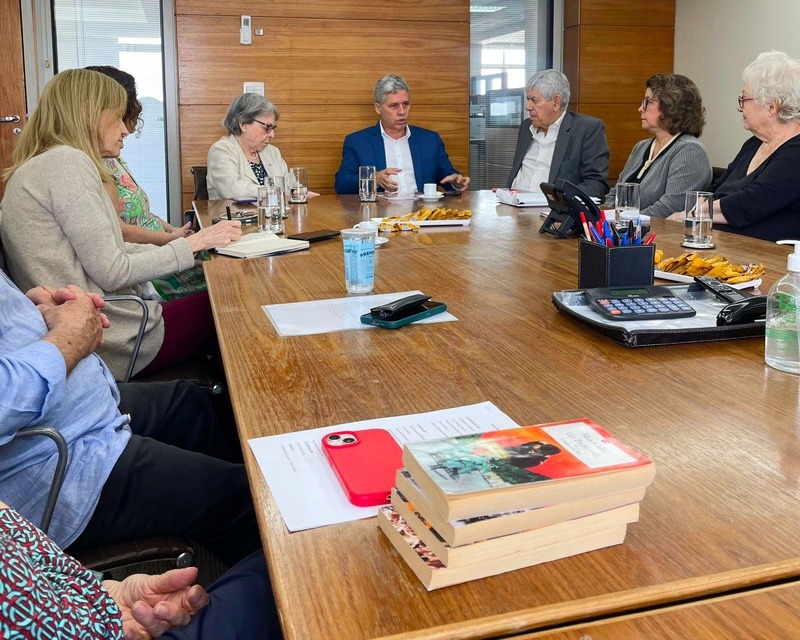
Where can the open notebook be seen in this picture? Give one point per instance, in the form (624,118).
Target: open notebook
(254,245)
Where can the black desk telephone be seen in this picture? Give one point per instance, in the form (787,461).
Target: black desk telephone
(566,202)
(742,308)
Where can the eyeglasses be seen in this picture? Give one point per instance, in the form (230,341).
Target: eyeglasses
(741,99)
(267,127)
(646,102)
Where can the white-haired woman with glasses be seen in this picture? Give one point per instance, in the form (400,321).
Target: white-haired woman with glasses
(239,163)
(759,193)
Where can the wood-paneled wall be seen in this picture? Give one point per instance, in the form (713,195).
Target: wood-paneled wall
(319,62)
(611,47)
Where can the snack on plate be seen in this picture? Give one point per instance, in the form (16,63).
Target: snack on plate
(432,214)
(693,264)
(391,227)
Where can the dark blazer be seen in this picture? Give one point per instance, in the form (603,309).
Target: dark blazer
(580,156)
(765,203)
(365,147)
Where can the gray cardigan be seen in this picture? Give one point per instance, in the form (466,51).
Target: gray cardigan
(59,227)
(683,166)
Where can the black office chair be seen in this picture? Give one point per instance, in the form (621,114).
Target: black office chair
(199,173)
(716,173)
(176,551)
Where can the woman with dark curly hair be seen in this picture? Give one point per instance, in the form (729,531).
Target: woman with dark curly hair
(674,161)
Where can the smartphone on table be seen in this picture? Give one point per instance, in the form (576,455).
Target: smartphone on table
(413,314)
(450,189)
(314,236)
(365,463)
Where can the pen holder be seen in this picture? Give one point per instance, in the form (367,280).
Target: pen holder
(600,266)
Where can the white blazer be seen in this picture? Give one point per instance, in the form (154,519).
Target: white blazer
(229,172)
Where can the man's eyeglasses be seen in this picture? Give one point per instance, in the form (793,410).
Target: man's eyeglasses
(267,127)
(646,102)
(741,99)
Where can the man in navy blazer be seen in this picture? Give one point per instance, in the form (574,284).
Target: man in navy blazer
(555,144)
(406,157)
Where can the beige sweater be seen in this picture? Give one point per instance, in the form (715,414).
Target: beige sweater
(59,227)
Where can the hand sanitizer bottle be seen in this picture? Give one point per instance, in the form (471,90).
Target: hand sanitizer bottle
(782,346)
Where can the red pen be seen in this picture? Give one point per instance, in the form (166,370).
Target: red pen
(585,227)
(649,239)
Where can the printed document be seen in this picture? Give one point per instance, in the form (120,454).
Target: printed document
(304,485)
(335,314)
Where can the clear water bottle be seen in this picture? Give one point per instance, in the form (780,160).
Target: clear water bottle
(782,341)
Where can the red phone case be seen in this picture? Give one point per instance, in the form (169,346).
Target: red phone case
(366,468)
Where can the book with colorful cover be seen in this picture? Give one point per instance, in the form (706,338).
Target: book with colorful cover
(469,530)
(494,548)
(434,574)
(523,468)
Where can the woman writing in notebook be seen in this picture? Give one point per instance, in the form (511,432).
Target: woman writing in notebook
(59,225)
(673,161)
(137,222)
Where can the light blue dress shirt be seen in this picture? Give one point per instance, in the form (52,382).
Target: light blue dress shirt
(82,406)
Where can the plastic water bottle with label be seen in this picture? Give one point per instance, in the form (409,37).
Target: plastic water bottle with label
(782,332)
(359,259)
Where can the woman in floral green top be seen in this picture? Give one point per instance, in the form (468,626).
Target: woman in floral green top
(138,223)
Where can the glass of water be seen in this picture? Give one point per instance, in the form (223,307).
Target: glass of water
(626,205)
(279,182)
(698,220)
(274,208)
(262,203)
(298,184)
(367,187)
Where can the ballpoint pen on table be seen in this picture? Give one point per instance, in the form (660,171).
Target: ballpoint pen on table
(649,239)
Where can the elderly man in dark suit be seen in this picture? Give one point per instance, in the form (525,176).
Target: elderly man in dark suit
(556,144)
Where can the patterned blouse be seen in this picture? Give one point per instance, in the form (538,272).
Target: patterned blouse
(134,208)
(46,594)
(259,172)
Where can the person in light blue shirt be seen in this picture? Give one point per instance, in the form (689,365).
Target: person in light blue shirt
(144,459)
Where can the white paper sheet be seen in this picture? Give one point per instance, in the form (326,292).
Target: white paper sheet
(305,487)
(334,314)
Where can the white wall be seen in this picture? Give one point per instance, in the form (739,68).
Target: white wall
(714,41)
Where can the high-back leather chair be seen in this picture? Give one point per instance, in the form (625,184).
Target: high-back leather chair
(199,173)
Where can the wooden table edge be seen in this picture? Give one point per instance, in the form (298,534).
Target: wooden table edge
(626,602)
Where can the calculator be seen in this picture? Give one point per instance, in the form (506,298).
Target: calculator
(651,302)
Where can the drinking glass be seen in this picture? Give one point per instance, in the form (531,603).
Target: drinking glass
(626,205)
(298,185)
(279,182)
(270,206)
(367,186)
(262,203)
(698,220)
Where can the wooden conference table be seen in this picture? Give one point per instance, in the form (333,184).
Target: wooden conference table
(722,427)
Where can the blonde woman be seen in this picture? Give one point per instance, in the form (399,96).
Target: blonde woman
(60,227)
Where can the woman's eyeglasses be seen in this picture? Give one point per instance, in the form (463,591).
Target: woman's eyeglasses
(646,102)
(268,128)
(741,99)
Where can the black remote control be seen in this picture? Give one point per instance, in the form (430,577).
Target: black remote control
(720,289)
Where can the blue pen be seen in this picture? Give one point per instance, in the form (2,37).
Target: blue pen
(623,239)
(595,235)
(606,229)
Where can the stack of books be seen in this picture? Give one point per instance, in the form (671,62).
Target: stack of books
(479,505)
